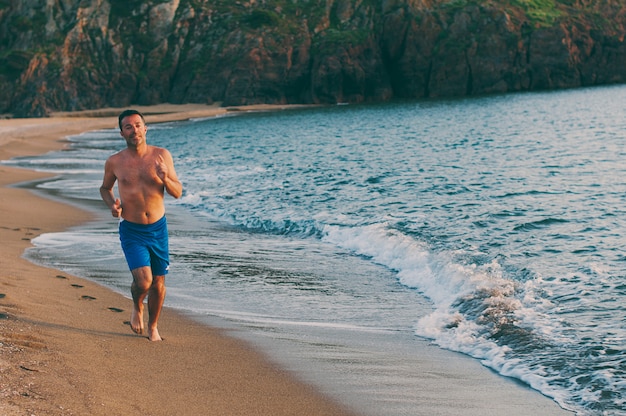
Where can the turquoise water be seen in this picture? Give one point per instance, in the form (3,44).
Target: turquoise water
(492,226)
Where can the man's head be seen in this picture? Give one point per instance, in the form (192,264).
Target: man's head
(127,113)
(133,128)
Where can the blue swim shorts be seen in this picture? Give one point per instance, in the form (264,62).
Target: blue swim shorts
(146,245)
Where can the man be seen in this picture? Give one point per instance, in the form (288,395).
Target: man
(143,174)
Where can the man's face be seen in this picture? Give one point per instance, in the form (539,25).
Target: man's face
(133,130)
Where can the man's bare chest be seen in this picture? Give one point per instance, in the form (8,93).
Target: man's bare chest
(137,174)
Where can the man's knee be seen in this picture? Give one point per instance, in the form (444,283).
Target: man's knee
(158,282)
(142,277)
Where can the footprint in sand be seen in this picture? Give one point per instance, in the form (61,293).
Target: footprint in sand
(87,297)
(59,276)
(78,286)
(112,309)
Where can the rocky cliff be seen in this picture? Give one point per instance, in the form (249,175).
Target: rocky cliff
(83,54)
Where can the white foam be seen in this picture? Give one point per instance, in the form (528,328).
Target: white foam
(452,286)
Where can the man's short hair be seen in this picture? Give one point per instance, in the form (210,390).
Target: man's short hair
(127,113)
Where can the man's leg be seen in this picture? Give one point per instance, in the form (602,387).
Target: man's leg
(156,296)
(142,281)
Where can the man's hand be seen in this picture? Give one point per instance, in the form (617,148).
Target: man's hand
(161,168)
(165,171)
(116,209)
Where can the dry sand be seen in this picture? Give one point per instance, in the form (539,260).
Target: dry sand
(65,348)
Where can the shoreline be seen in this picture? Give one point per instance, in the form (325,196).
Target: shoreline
(64,346)
(65,349)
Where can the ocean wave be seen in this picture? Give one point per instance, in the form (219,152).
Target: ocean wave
(279,225)
(53,164)
(543,223)
(480,312)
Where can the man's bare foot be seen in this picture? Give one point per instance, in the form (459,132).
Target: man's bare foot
(153,335)
(136,320)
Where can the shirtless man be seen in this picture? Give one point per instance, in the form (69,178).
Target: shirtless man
(143,174)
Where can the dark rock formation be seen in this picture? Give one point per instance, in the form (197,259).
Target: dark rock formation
(62,55)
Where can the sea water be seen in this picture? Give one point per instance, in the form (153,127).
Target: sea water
(491,226)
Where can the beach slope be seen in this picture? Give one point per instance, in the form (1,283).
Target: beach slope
(65,345)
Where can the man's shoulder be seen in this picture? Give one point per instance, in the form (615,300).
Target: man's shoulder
(156,148)
(117,157)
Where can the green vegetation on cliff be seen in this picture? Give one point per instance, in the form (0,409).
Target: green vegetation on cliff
(540,12)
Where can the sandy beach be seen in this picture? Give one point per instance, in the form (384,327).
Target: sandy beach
(65,346)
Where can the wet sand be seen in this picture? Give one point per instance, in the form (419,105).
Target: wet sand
(65,345)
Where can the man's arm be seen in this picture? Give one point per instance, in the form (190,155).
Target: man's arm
(167,174)
(106,191)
